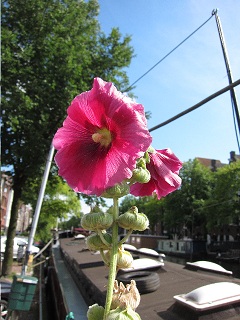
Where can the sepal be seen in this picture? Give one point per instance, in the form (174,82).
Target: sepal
(126,314)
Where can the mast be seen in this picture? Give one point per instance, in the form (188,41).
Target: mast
(225,55)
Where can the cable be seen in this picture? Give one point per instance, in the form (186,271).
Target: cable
(213,205)
(130,87)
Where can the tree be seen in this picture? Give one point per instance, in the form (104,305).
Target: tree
(51,51)
(129,201)
(224,206)
(183,207)
(154,209)
(59,202)
(68,224)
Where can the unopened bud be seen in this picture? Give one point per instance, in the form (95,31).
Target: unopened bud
(124,258)
(95,312)
(118,191)
(133,220)
(97,221)
(141,175)
(95,243)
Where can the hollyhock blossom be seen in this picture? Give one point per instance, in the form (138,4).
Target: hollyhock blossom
(102,137)
(164,167)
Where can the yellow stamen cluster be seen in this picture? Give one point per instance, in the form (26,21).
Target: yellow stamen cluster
(102,136)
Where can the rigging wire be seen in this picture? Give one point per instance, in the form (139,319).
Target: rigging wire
(213,205)
(131,86)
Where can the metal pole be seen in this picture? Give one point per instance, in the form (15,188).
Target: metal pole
(38,208)
(225,55)
(199,104)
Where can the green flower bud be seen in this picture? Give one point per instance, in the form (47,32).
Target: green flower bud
(141,175)
(118,191)
(95,312)
(126,314)
(95,243)
(124,258)
(151,150)
(133,220)
(141,163)
(97,221)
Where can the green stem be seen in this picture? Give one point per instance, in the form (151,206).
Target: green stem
(113,259)
(99,232)
(126,236)
(103,257)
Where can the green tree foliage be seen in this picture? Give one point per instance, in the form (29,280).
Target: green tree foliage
(224,205)
(130,201)
(183,207)
(51,51)
(93,201)
(154,209)
(59,202)
(68,224)
(204,201)
(151,206)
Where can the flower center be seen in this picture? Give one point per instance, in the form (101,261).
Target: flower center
(102,136)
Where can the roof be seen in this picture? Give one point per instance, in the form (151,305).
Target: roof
(158,305)
(211,163)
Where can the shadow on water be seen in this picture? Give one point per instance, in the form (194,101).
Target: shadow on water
(230,266)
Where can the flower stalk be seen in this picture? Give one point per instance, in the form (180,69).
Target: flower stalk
(113,259)
(126,237)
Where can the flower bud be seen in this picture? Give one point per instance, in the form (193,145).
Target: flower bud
(126,314)
(133,220)
(95,243)
(125,297)
(95,312)
(118,191)
(124,258)
(141,175)
(97,221)
(151,150)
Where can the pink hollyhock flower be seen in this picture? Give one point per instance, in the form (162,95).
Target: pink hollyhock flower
(164,167)
(101,138)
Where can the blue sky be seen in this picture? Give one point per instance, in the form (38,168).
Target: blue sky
(190,74)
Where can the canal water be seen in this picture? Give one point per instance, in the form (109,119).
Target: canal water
(234,267)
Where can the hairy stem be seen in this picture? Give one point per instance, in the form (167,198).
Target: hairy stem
(126,236)
(113,259)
